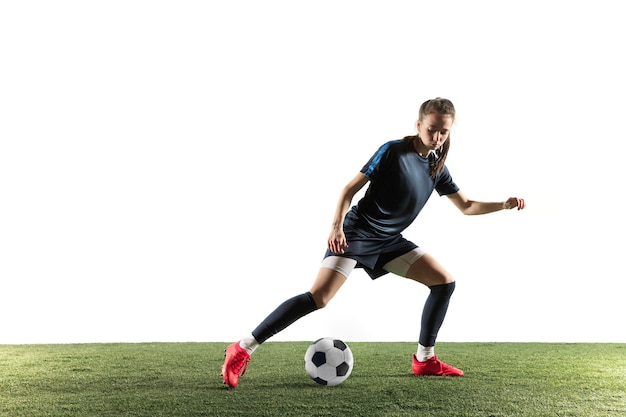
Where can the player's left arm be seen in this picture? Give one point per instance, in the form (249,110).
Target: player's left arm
(472,207)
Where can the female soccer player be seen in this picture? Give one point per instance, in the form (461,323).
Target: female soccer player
(402,175)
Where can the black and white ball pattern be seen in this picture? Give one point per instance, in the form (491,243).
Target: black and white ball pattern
(328,361)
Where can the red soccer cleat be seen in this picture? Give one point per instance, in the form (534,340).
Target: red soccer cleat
(435,367)
(235,364)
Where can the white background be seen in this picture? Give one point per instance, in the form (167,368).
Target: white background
(169,170)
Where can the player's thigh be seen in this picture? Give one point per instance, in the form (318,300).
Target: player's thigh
(428,271)
(326,285)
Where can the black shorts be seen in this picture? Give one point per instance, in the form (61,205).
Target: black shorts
(372,252)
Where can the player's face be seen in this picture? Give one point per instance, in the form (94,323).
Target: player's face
(434,130)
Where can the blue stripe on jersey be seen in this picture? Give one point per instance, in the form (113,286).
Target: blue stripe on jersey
(376,158)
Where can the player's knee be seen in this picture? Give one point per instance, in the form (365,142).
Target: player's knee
(446,278)
(439,277)
(444,290)
(321,300)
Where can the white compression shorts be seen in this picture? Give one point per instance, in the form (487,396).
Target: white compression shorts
(398,266)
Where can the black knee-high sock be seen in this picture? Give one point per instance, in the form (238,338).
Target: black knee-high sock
(434,312)
(284,315)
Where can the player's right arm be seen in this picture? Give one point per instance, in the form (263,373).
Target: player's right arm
(337,239)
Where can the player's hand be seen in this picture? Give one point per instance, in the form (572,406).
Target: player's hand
(513,202)
(337,241)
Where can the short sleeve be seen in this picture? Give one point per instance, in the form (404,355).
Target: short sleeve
(444,183)
(377,161)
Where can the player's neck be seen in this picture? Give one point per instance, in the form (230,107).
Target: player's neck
(419,147)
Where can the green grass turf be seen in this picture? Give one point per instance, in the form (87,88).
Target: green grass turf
(182,379)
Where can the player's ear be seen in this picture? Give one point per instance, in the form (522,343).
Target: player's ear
(418,124)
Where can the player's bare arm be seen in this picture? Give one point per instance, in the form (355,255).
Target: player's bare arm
(337,239)
(472,207)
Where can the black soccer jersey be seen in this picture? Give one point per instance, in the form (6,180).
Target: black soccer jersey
(400,185)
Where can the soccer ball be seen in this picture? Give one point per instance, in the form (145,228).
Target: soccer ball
(328,361)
